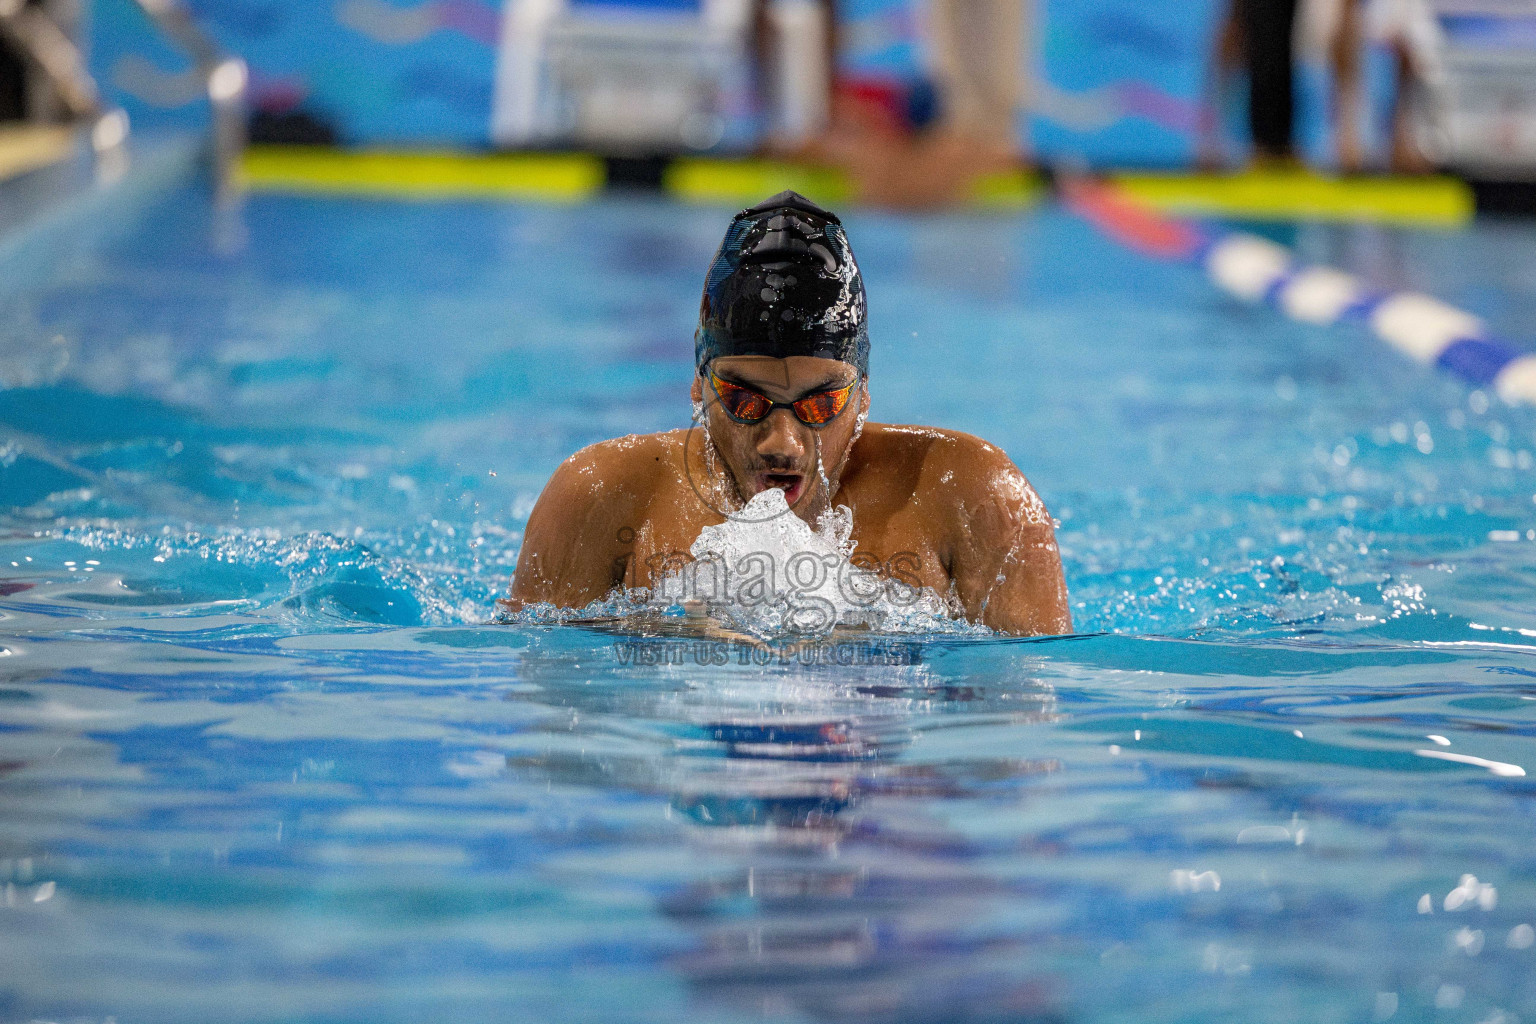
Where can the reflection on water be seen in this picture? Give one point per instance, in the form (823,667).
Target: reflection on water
(833,889)
(514,824)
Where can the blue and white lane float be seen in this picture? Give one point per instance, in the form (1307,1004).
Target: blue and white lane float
(1260,271)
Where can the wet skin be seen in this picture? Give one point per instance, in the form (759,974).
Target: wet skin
(944,509)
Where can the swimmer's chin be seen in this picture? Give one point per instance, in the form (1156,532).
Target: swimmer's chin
(792,484)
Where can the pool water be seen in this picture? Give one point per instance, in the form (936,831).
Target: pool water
(264,471)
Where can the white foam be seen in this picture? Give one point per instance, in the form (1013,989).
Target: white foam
(768,571)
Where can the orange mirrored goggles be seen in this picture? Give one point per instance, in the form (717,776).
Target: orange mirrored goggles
(814,410)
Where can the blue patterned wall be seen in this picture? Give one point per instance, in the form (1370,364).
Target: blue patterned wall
(1120,78)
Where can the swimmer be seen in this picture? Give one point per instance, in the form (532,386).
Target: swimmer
(780,392)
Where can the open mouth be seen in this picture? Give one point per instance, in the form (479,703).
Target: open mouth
(792,484)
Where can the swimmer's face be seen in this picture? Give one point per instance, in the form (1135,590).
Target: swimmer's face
(780,451)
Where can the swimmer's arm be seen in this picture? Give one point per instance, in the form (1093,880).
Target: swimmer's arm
(1005,562)
(1029,592)
(569,557)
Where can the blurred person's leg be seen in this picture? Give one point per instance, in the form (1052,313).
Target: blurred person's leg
(1344,57)
(44,104)
(16,99)
(794,42)
(978,56)
(13,78)
(26,93)
(832,40)
(1226,60)
(1328,38)
(1407,28)
(1407,156)
(1268,28)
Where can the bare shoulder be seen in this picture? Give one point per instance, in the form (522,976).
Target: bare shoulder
(623,467)
(994,534)
(568,551)
(960,469)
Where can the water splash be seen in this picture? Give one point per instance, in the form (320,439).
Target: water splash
(308,578)
(768,572)
(821,474)
(722,495)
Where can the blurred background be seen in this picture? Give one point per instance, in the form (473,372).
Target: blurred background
(908,96)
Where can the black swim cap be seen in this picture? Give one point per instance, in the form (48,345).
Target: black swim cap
(784,283)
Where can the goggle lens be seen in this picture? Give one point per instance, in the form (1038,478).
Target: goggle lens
(742,403)
(823,406)
(748,406)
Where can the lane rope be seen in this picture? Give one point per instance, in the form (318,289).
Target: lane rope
(1258,270)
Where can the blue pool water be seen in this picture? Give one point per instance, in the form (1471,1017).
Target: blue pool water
(263,472)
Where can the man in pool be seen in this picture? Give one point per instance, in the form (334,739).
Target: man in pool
(782,390)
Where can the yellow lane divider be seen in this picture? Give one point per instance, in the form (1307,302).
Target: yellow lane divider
(1299,195)
(741,182)
(571,177)
(744,182)
(552,177)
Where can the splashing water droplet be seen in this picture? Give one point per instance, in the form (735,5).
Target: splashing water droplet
(767,572)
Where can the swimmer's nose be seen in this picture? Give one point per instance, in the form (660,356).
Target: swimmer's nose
(781,445)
